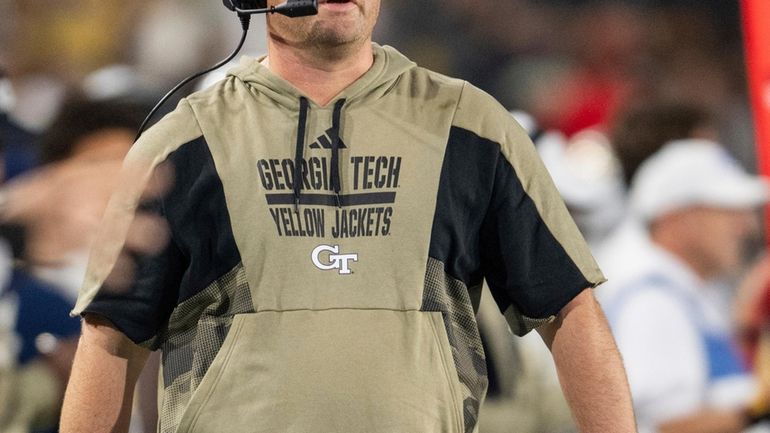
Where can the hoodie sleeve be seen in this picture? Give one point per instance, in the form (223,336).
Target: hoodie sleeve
(135,266)
(534,259)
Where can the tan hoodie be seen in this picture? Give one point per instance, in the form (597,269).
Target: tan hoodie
(344,301)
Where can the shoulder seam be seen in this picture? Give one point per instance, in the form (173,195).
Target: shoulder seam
(195,117)
(457,105)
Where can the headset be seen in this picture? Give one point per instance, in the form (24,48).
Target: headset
(290,8)
(244,9)
(244,4)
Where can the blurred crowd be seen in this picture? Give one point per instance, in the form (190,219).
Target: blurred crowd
(638,109)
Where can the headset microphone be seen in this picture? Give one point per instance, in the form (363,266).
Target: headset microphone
(245,9)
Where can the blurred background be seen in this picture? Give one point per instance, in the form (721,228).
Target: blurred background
(600,85)
(572,64)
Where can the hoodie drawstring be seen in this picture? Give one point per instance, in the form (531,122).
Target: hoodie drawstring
(304,106)
(335,164)
(334,133)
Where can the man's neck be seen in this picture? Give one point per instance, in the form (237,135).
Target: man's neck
(319,76)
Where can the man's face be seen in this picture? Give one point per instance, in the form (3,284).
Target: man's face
(718,237)
(338,23)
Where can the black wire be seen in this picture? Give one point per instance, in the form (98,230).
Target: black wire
(245,20)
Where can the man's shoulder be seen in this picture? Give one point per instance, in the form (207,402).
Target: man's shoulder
(172,131)
(478,117)
(439,79)
(481,114)
(470,96)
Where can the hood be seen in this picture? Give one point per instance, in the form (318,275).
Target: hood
(388,65)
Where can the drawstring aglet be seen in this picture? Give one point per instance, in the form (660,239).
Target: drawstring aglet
(296,205)
(338,199)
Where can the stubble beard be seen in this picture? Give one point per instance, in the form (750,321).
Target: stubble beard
(333,37)
(326,39)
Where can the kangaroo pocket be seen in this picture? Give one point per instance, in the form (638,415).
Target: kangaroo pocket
(330,371)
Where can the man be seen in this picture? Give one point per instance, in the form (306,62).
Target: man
(639,132)
(331,286)
(670,317)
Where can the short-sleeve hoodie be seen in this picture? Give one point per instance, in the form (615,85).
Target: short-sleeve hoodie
(324,264)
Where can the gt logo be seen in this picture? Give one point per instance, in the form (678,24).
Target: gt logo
(335,260)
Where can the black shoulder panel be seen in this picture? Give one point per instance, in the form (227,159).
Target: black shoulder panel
(199,218)
(486,226)
(464,193)
(202,248)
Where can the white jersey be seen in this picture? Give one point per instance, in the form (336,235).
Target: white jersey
(672,331)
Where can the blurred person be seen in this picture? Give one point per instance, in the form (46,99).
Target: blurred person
(639,131)
(60,205)
(696,206)
(62,202)
(281,304)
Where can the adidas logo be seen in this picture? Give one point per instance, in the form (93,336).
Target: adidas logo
(325,142)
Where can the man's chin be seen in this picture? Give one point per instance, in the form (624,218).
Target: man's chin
(334,37)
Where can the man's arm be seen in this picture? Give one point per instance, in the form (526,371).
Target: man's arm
(590,368)
(100,391)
